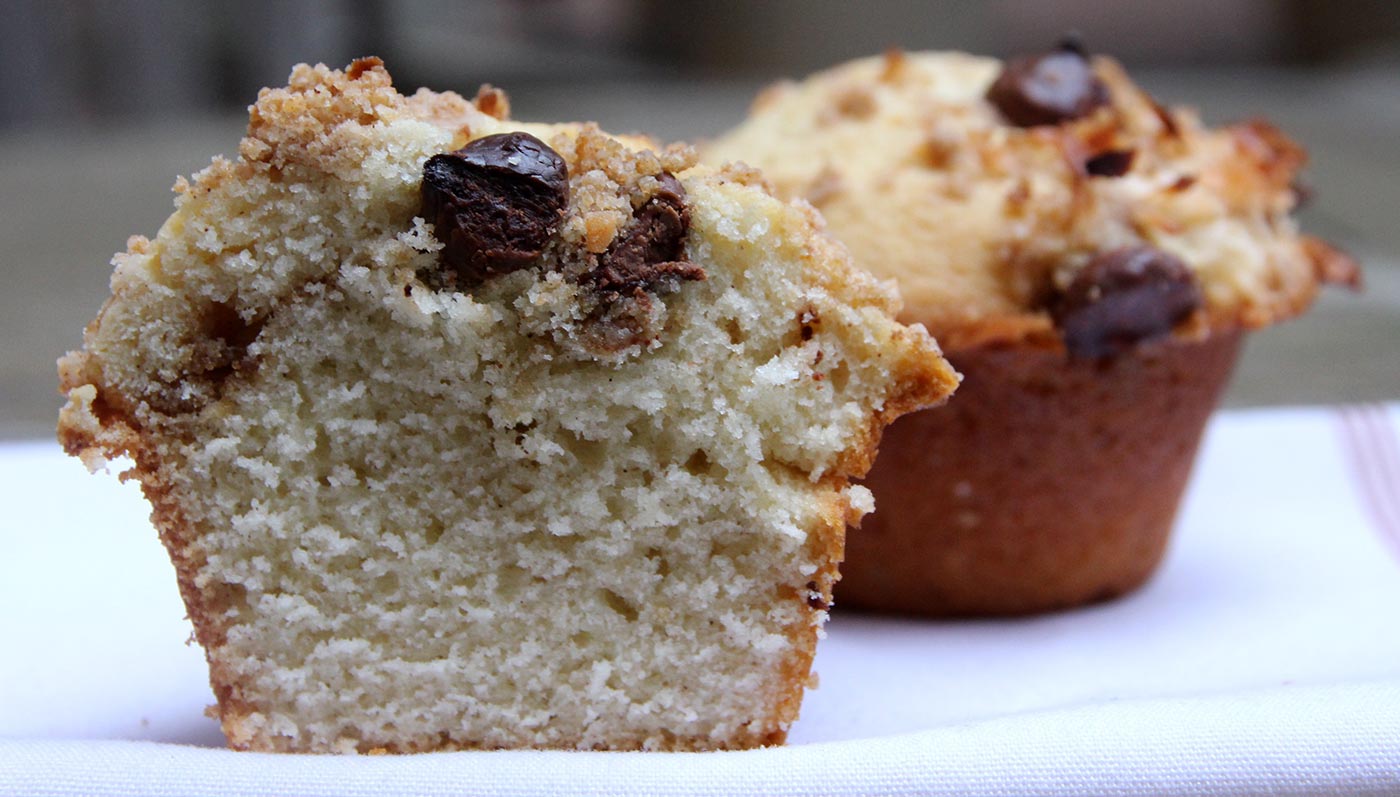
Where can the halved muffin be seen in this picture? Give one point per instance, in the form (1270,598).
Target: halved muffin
(464,433)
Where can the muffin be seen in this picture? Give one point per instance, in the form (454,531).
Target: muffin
(1090,261)
(468,433)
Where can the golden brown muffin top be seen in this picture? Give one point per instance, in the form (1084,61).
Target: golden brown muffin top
(994,192)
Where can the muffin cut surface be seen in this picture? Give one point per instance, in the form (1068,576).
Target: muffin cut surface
(572,473)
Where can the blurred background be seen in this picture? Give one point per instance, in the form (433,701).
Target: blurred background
(103,104)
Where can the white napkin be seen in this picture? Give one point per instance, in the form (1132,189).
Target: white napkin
(1263,659)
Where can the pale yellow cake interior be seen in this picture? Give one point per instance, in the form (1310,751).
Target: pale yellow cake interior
(414,519)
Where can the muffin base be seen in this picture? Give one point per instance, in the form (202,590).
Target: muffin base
(1046,483)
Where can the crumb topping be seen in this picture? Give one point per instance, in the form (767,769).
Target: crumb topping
(983,187)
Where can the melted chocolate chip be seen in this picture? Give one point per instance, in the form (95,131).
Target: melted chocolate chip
(1111,163)
(494,204)
(1124,297)
(649,255)
(1048,89)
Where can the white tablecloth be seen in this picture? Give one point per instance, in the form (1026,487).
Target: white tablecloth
(1263,659)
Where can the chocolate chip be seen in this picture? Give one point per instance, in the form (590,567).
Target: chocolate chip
(1110,163)
(649,255)
(1124,297)
(494,204)
(1048,89)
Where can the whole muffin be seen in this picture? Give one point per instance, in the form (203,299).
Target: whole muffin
(1089,260)
(469,433)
